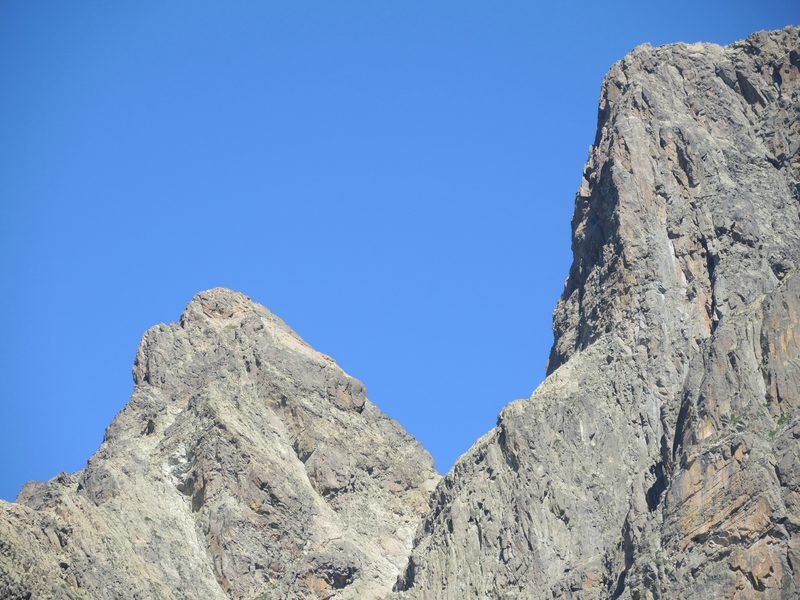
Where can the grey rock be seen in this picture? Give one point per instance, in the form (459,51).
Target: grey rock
(659,457)
(245,465)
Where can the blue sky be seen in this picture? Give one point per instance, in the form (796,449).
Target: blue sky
(393,179)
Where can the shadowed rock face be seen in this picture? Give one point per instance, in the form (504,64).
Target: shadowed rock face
(660,458)
(245,464)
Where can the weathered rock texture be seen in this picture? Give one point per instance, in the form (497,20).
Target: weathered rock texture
(245,465)
(661,456)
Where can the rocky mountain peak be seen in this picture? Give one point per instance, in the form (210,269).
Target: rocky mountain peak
(693,176)
(219,304)
(659,458)
(245,464)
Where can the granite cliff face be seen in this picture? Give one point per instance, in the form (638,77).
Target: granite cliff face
(659,459)
(245,465)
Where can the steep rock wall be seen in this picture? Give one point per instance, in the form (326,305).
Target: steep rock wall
(659,458)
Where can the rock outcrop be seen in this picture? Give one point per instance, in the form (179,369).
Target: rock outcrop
(661,456)
(245,465)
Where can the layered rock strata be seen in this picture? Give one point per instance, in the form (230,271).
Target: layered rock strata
(244,465)
(661,456)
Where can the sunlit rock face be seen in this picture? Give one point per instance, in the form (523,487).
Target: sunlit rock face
(245,465)
(660,458)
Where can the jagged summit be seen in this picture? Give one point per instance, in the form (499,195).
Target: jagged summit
(245,464)
(220,302)
(224,306)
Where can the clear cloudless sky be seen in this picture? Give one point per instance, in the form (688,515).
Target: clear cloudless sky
(393,179)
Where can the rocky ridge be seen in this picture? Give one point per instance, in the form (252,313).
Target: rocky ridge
(244,465)
(659,459)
